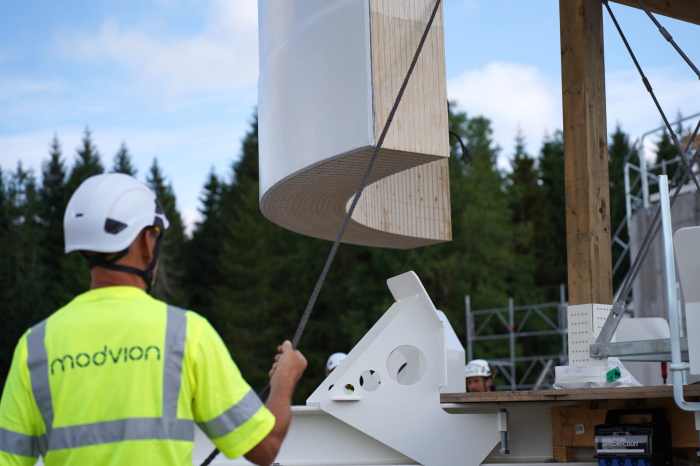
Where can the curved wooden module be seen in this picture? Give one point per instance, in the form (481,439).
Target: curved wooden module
(406,203)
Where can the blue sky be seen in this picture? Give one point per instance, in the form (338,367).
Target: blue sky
(177,79)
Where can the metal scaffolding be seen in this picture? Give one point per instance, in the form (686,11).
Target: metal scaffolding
(641,183)
(512,324)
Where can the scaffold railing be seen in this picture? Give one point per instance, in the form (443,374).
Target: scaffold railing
(517,367)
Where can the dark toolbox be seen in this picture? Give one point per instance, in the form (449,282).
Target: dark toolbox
(634,438)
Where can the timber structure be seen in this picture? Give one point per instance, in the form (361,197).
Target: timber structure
(573,414)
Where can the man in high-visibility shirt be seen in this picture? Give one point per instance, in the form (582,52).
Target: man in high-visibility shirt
(117,377)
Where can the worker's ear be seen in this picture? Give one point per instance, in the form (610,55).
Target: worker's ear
(147,244)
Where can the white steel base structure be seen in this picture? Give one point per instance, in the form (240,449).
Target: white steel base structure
(318,439)
(381,406)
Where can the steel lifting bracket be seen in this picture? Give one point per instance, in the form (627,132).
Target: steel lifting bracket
(389,385)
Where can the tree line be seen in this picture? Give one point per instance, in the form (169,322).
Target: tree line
(251,278)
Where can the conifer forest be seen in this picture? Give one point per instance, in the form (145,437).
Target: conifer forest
(251,279)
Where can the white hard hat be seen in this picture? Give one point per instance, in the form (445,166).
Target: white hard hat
(107,212)
(334,360)
(478,368)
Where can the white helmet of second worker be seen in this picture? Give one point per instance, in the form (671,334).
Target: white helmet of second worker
(478,368)
(107,212)
(334,361)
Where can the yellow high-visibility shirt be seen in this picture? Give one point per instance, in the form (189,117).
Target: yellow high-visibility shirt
(119,378)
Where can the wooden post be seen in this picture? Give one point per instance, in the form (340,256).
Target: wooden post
(589,261)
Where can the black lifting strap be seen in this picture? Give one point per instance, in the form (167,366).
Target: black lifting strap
(110,262)
(346,220)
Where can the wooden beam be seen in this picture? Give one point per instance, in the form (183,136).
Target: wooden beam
(589,258)
(569,395)
(684,10)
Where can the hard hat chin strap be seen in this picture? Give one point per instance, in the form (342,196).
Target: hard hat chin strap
(147,275)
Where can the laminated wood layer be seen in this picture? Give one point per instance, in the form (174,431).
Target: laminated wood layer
(314,201)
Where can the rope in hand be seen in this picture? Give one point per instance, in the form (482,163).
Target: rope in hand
(346,220)
(682,177)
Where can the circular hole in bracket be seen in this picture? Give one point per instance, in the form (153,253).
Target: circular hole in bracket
(369,380)
(349,389)
(406,364)
(330,387)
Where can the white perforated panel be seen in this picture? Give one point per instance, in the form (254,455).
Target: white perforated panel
(585,323)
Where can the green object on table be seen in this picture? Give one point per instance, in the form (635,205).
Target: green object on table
(613,374)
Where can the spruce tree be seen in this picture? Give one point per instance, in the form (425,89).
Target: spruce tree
(54,198)
(550,224)
(666,151)
(619,151)
(487,229)
(4,214)
(10,317)
(204,249)
(24,299)
(87,162)
(169,283)
(525,200)
(122,162)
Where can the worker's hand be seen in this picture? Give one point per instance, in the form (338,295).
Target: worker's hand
(288,367)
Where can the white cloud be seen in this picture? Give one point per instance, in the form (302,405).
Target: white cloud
(211,72)
(517,96)
(514,97)
(222,57)
(190,216)
(631,106)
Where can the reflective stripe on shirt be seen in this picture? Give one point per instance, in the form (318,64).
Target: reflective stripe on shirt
(149,428)
(166,427)
(21,444)
(38,363)
(233,417)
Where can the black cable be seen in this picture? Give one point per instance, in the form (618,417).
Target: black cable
(681,178)
(465,152)
(334,249)
(667,35)
(626,287)
(651,92)
(363,183)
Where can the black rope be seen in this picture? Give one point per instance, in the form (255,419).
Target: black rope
(667,35)
(465,152)
(680,178)
(334,249)
(363,184)
(626,287)
(651,92)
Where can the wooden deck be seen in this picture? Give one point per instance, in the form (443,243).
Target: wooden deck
(583,394)
(575,413)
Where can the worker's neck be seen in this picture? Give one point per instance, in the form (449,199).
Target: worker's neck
(101,278)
